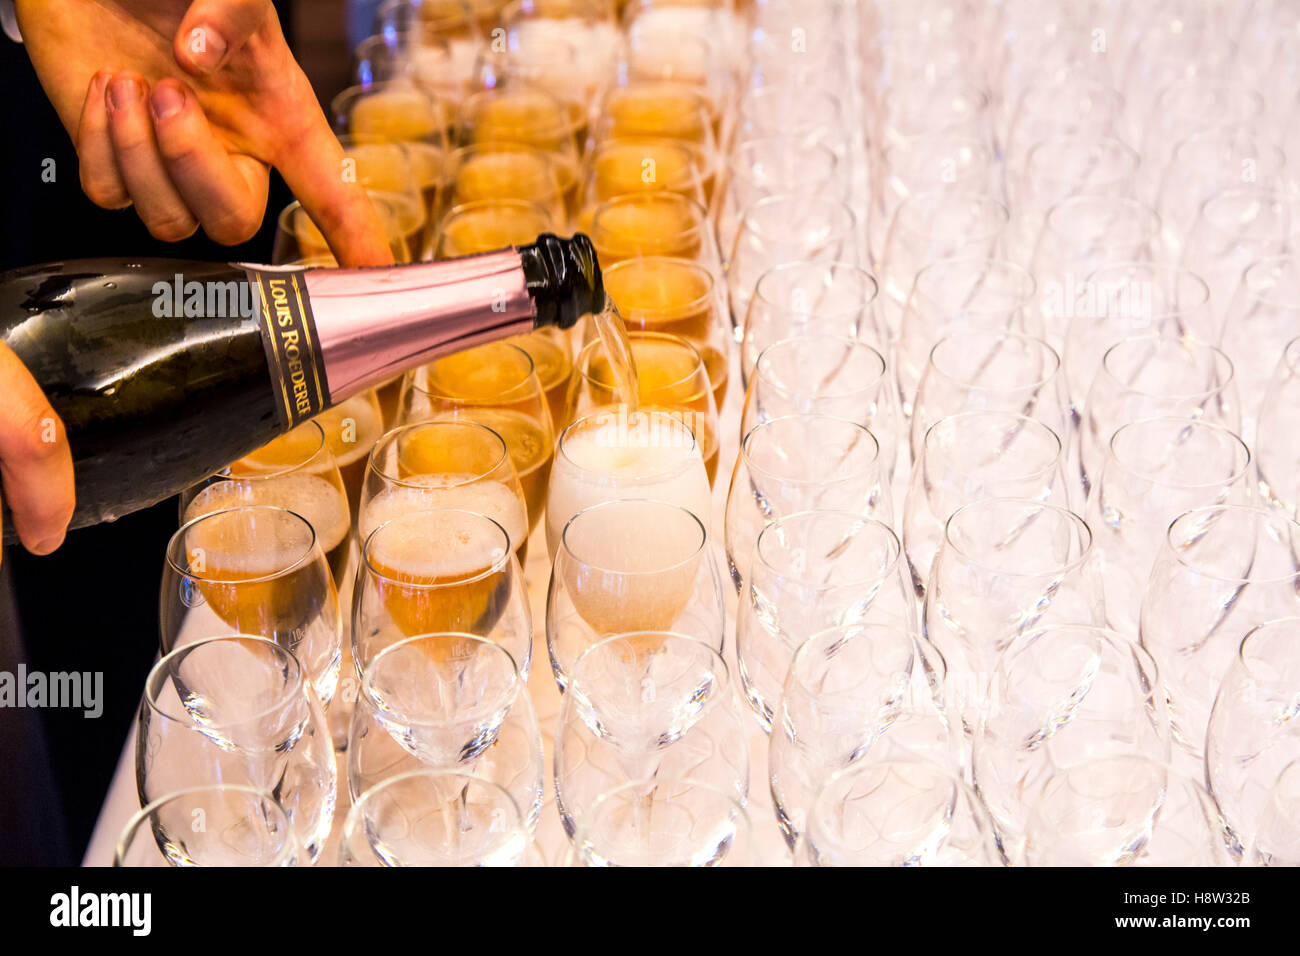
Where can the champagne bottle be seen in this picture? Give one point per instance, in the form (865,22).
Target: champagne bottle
(164,371)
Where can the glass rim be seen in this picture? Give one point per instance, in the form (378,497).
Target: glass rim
(1180,276)
(1233,440)
(1278,197)
(497,566)
(742,171)
(681,263)
(393,434)
(826,267)
(699,216)
(1291,355)
(584,359)
(289,469)
(598,417)
(471,206)
(844,219)
(1071,517)
(1117,148)
(612,503)
(954,420)
(1261,632)
(126,838)
(719,663)
(783,419)
(1265,294)
(1222,362)
(163,668)
(695,174)
(1053,357)
(987,202)
(506,395)
(568,121)
(1267,517)
(941,268)
(178,538)
(1151,223)
(893,545)
(843,633)
(1213,134)
(1116,640)
(508,697)
(852,345)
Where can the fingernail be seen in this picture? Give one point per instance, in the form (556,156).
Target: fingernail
(207,48)
(49,545)
(123,91)
(166,100)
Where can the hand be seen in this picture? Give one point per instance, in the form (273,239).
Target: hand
(35,463)
(180,109)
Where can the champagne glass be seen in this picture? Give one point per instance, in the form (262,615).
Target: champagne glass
(804,116)
(1277,450)
(436,571)
(1154,376)
(644,706)
(296,471)
(795,299)
(1069,103)
(351,430)
(631,565)
(824,375)
(449,463)
(1278,840)
(1266,313)
(788,227)
(654,224)
(1006,566)
(1123,810)
(447,702)
(970,456)
(242,827)
(774,165)
(503,170)
(627,165)
(683,822)
(1222,571)
(299,240)
(253,569)
(811,571)
(676,297)
(434,818)
(495,385)
(801,463)
(957,294)
(613,454)
(1253,734)
(1156,470)
(1061,696)
(238,710)
(990,370)
(843,692)
(934,819)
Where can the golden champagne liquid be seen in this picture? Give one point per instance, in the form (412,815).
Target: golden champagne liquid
(397,114)
(623,167)
(516,174)
(426,491)
(651,225)
(351,429)
(673,297)
(554,365)
(532,449)
(659,109)
(620,364)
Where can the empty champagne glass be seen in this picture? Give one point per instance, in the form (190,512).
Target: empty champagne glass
(787,227)
(1006,566)
(253,569)
(614,454)
(1277,842)
(434,818)
(435,571)
(628,565)
(774,165)
(1061,696)
(1261,319)
(1253,733)
(643,707)
(1222,571)
(897,813)
(956,294)
(995,370)
(238,710)
(1154,376)
(242,826)
(447,702)
(796,299)
(680,822)
(1277,438)
(801,463)
(968,457)
(843,692)
(1156,470)
(1123,810)
(810,571)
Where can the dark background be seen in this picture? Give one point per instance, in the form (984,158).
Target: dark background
(92,605)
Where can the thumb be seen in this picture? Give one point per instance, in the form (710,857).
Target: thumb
(213,29)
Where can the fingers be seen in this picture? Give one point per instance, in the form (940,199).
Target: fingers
(99,176)
(312,167)
(227,195)
(139,162)
(35,463)
(213,29)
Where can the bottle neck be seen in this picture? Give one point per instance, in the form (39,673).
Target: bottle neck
(375,323)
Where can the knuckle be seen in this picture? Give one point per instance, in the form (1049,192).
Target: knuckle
(172,226)
(232,229)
